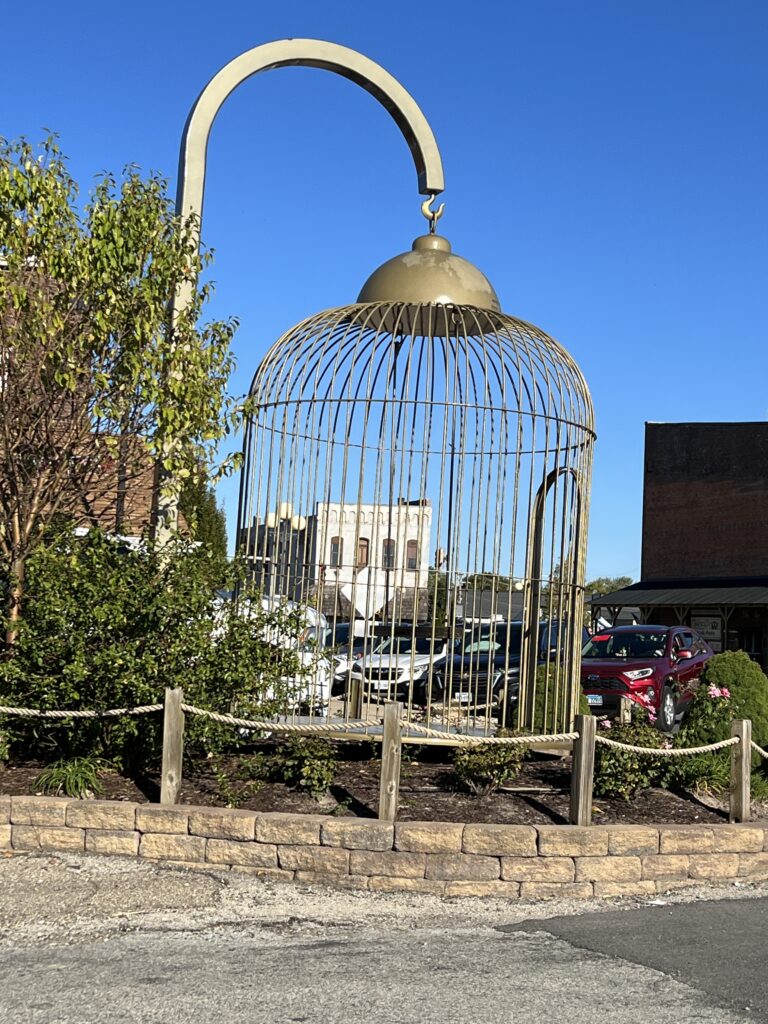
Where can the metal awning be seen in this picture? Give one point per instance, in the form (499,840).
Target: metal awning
(695,593)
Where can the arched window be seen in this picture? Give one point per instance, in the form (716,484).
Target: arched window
(388,554)
(362,552)
(337,552)
(412,555)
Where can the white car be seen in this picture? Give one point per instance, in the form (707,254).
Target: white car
(311,688)
(400,667)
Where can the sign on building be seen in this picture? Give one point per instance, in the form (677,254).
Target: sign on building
(710,627)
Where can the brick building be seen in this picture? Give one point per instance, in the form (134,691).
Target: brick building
(118,503)
(705,500)
(705,533)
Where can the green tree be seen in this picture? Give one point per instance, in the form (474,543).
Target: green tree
(437,596)
(205,518)
(602,585)
(606,584)
(480,581)
(96,381)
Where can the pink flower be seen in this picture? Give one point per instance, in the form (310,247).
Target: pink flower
(725,692)
(666,745)
(605,723)
(714,691)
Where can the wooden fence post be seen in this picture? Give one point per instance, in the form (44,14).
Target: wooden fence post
(625,711)
(741,770)
(391,748)
(583,770)
(173,746)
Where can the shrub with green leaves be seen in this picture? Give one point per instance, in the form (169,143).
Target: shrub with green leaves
(708,773)
(545,701)
(305,762)
(238,785)
(708,720)
(733,686)
(483,767)
(747,686)
(107,627)
(620,773)
(708,717)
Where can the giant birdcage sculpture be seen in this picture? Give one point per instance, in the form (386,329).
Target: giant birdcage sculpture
(417,472)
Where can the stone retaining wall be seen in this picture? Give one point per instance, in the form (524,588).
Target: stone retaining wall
(433,857)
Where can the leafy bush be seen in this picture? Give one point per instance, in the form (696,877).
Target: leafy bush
(748,687)
(79,777)
(301,762)
(759,788)
(732,686)
(108,627)
(620,773)
(709,773)
(238,786)
(708,720)
(482,768)
(708,717)
(544,717)
(304,761)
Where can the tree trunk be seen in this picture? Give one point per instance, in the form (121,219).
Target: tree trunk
(14,601)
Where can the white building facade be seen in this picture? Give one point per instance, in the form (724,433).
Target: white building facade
(354,561)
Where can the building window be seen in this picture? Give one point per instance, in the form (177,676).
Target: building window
(412,555)
(337,552)
(362,552)
(388,554)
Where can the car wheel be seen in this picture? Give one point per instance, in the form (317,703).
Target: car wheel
(667,710)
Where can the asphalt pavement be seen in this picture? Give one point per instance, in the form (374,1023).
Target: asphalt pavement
(85,940)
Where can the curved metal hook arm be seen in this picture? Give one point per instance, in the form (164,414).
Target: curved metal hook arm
(303,53)
(287,53)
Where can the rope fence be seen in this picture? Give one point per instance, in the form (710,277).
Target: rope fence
(266,725)
(393,731)
(144,709)
(329,728)
(669,751)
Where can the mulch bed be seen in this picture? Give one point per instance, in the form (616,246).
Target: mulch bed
(539,795)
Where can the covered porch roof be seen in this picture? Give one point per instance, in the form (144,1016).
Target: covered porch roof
(702,592)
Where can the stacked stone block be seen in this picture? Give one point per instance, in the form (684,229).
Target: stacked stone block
(440,858)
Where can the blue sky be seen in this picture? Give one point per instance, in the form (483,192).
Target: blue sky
(606,166)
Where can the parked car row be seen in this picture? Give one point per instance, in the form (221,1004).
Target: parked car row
(656,667)
(478,667)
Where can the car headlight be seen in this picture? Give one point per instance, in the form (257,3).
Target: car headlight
(639,673)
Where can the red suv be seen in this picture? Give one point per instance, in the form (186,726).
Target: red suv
(655,666)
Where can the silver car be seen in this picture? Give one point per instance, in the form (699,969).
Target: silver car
(399,667)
